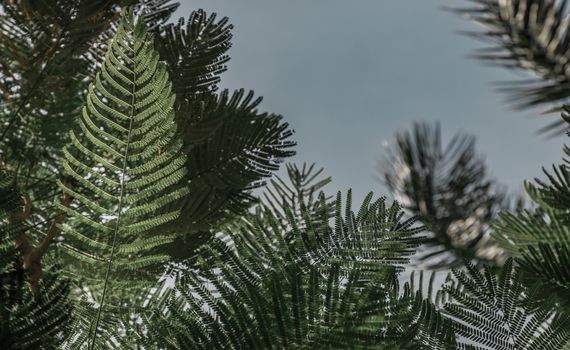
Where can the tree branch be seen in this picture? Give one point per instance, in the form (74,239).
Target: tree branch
(32,257)
(532,35)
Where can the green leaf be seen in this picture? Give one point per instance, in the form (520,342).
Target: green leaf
(231,149)
(196,52)
(124,165)
(298,283)
(496,311)
(231,146)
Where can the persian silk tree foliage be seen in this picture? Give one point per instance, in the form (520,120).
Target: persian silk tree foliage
(231,146)
(540,238)
(448,188)
(124,159)
(49,52)
(294,277)
(124,164)
(51,46)
(27,320)
(521,305)
(495,310)
(124,172)
(157,162)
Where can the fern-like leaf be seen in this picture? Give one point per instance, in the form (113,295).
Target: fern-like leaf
(300,190)
(540,238)
(415,322)
(196,52)
(231,148)
(496,311)
(124,163)
(290,285)
(49,53)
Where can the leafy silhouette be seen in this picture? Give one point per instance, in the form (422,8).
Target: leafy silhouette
(529,35)
(449,190)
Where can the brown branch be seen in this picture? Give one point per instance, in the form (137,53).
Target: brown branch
(32,257)
(22,244)
(52,231)
(21,217)
(33,260)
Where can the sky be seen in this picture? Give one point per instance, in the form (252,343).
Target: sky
(346,75)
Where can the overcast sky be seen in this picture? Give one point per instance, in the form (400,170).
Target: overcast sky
(346,75)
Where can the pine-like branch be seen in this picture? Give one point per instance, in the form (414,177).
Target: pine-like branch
(531,35)
(448,189)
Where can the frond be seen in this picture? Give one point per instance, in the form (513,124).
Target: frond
(33,320)
(547,267)
(10,204)
(196,52)
(111,332)
(124,166)
(539,238)
(301,189)
(416,323)
(496,311)
(555,193)
(516,232)
(371,237)
(531,35)
(448,189)
(49,53)
(547,223)
(41,67)
(156,13)
(292,285)
(231,148)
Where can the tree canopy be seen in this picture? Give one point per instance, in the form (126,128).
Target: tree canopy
(128,217)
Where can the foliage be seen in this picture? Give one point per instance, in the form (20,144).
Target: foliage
(195,54)
(539,238)
(448,188)
(493,311)
(290,284)
(28,319)
(249,147)
(530,35)
(231,146)
(140,229)
(41,86)
(123,163)
(119,178)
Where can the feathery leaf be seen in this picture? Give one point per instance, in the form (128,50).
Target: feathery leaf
(125,164)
